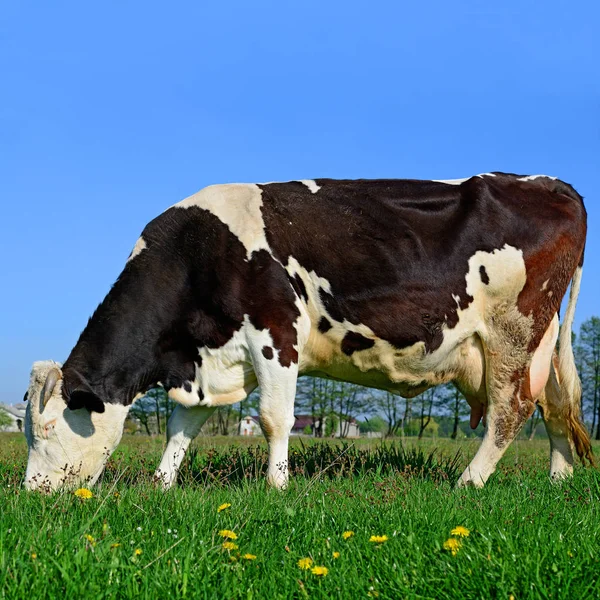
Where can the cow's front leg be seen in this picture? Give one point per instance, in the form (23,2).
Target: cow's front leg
(184,425)
(277,394)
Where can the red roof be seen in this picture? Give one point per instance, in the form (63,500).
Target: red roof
(302,421)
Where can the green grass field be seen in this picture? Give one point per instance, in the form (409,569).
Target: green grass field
(528,538)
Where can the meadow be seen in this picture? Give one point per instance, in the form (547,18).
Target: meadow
(359,520)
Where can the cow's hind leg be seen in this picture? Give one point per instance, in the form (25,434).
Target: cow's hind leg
(184,425)
(514,377)
(561,446)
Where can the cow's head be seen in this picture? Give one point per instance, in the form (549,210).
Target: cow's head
(69,444)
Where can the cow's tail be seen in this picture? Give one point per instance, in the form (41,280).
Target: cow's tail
(570,384)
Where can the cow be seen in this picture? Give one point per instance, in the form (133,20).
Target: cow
(399,285)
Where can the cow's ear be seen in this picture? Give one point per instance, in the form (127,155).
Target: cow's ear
(83,399)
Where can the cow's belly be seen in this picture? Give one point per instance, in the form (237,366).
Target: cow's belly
(407,371)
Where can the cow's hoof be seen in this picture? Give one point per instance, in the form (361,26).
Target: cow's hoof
(465,482)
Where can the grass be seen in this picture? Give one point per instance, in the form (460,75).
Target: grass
(528,538)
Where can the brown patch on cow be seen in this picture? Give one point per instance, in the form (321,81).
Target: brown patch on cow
(267,352)
(555,257)
(355,342)
(521,407)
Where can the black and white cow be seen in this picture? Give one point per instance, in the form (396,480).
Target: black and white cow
(395,284)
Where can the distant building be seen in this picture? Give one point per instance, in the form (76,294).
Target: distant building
(303,422)
(250,426)
(16,413)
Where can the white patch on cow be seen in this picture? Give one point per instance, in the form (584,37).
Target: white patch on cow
(139,246)
(238,205)
(459,181)
(451,181)
(534,177)
(544,285)
(226,375)
(66,447)
(311,185)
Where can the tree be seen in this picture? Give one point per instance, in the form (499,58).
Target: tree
(451,402)
(588,353)
(372,424)
(141,410)
(153,408)
(315,395)
(5,419)
(534,421)
(351,401)
(425,403)
(391,407)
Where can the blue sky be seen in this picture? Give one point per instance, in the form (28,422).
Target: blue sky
(109,113)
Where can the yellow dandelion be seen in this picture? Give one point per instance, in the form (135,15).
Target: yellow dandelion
(90,539)
(112,546)
(336,555)
(452,545)
(319,571)
(305,563)
(229,546)
(249,556)
(223,507)
(347,534)
(460,531)
(378,539)
(511,597)
(83,493)
(33,556)
(226,533)
(137,551)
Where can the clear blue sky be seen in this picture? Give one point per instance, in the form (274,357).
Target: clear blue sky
(112,111)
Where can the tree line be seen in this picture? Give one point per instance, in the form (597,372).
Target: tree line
(333,405)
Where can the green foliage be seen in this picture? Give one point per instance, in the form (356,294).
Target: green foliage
(5,419)
(431,430)
(307,430)
(331,423)
(375,423)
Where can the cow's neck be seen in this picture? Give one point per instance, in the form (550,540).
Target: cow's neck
(132,340)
